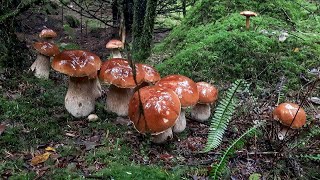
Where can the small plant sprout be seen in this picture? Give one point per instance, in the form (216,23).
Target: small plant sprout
(84,87)
(115,45)
(155,110)
(41,66)
(208,94)
(291,116)
(187,91)
(248,14)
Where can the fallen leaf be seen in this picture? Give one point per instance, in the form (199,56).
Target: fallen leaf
(40,158)
(70,135)
(296,50)
(2,128)
(315,100)
(50,149)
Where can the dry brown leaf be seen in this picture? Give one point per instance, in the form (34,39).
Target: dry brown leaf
(296,50)
(40,158)
(2,128)
(50,149)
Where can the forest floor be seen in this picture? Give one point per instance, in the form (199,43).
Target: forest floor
(33,118)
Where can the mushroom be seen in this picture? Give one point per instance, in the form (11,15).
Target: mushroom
(114,45)
(48,34)
(288,115)
(248,14)
(151,75)
(81,66)
(187,91)
(117,73)
(154,110)
(207,94)
(41,66)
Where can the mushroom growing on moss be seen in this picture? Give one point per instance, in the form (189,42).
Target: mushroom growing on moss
(81,66)
(248,14)
(115,45)
(187,91)
(208,94)
(288,115)
(154,110)
(41,66)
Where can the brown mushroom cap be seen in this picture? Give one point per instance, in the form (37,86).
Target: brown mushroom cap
(118,72)
(207,93)
(248,13)
(47,33)
(285,113)
(151,74)
(76,63)
(184,87)
(114,44)
(46,48)
(161,109)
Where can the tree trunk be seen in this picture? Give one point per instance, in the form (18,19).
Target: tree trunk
(139,9)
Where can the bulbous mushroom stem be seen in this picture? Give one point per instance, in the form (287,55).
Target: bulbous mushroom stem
(116,53)
(118,100)
(97,91)
(201,112)
(81,95)
(281,134)
(247,22)
(163,137)
(41,66)
(181,123)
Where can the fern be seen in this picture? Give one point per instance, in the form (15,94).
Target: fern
(312,157)
(218,169)
(222,116)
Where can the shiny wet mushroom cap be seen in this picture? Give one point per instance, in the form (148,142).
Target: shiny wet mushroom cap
(286,112)
(47,33)
(46,48)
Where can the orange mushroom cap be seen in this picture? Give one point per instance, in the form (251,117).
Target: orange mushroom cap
(114,44)
(118,72)
(248,13)
(47,33)
(207,93)
(184,87)
(46,48)
(161,109)
(285,113)
(151,75)
(77,63)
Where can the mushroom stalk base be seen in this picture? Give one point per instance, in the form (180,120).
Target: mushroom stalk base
(81,95)
(116,54)
(201,112)
(41,66)
(181,122)
(163,137)
(247,22)
(118,100)
(282,133)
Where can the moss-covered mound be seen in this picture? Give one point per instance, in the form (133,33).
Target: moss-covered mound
(218,47)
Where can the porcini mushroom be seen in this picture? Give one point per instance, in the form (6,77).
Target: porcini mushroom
(154,110)
(81,66)
(41,66)
(115,45)
(187,91)
(117,73)
(48,34)
(248,14)
(208,94)
(151,75)
(288,115)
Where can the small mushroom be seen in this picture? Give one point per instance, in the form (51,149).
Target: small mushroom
(187,91)
(115,45)
(208,94)
(81,66)
(158,112)
(248,14)
(285,113)
(151,75)
(41,66)
(48,34)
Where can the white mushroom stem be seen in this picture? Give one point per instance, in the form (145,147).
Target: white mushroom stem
(116,53)
(118,100)
(283,132)
(163,137)
(201,112)
(181,123)
(81,95)
(41,66)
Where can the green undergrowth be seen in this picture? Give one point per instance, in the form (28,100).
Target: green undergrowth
(212,43)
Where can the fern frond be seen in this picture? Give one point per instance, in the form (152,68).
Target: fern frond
(218,169)
(222,116)
(312,157)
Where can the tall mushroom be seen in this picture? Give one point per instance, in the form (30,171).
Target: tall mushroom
(48,34)
(208,94)
(81,66)
(115,45)
(154,110)
(248,14)
(288,115)
(117,73)
(187,91)
(41,66)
